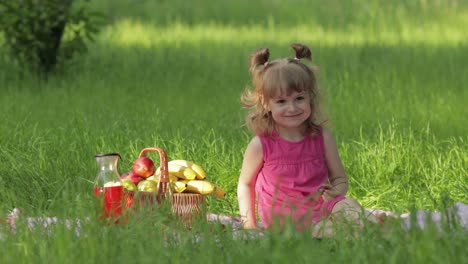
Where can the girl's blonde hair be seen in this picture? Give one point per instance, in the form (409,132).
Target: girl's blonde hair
(280,76)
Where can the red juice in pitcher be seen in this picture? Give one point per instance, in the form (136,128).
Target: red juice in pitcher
(112,198)
(107,186)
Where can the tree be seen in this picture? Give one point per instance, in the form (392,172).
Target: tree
(43,34)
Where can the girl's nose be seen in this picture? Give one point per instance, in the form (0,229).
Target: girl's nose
(291,106)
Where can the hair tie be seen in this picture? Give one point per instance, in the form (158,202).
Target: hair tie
(265,64)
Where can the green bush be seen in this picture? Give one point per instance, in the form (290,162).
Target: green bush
(44,34)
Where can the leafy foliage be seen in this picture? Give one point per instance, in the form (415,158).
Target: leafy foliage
(44,34)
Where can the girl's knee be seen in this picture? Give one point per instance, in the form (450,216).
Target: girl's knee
(348,209)
(347,203)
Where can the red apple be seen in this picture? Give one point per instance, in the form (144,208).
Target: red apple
(133,177)
(143,167)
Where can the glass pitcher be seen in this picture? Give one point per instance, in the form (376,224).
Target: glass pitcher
(107,184)
(108,174)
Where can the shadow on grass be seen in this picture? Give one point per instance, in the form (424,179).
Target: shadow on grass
(335,14)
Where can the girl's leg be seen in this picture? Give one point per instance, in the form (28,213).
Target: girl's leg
(323,229)
(345,212)
(351,211)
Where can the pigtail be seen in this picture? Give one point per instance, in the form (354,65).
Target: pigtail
(302,51)
(253,98)
(259,57)
(258,63)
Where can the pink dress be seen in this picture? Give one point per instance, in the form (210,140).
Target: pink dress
(286,186)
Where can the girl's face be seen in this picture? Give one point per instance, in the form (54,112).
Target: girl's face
(290,111)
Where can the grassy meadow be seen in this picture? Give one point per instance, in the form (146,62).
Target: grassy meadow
(170,74)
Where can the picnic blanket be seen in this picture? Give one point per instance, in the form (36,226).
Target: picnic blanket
(422,218)
(456,214)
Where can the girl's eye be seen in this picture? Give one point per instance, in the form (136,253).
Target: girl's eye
(280,101)
(299,98)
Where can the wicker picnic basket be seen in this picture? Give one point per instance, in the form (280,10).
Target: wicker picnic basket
(183,205)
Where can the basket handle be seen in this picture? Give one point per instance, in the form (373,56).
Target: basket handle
(164,175)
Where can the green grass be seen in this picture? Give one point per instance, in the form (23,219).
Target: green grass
(170,74)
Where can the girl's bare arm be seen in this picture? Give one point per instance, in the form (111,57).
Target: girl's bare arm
(337,175)
(252,163)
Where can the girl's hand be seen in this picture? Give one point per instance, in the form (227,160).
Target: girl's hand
(328,192)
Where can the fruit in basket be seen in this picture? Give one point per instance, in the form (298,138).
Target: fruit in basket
(199,171)
(199,186)
(133,177)
(172,178)
(147,186)
(179,186)
(218,192)
(129,185)
(179,171)
(143,167)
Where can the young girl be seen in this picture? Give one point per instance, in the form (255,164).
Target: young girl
(291,168)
